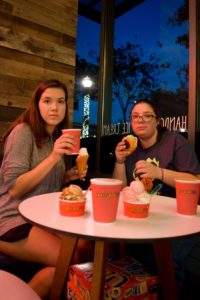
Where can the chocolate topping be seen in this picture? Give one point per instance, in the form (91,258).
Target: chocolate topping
(127,144)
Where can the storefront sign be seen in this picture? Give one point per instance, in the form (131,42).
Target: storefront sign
(172,124)
(175,123)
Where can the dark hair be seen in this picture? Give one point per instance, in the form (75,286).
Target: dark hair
(160,128)
(32,117)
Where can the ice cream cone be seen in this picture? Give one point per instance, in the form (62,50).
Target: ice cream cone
(148,183)
(81,162)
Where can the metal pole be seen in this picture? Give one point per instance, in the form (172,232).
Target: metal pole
(105,73)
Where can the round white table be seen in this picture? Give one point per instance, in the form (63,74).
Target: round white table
(161,226)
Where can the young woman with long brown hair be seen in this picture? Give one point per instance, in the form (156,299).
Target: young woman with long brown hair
(34,164)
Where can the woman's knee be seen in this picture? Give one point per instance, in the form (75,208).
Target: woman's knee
(43,245)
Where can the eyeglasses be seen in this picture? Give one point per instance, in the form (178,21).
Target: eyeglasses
(145,118)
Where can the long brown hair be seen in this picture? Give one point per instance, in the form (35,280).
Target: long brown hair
(32,117)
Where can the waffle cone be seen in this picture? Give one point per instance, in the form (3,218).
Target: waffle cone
(148,184)
(81,162)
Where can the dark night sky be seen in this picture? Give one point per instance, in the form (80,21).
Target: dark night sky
(145,28)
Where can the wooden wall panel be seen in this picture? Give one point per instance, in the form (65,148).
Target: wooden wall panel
(32,29)
(37,42)
(57,15)
(36,45)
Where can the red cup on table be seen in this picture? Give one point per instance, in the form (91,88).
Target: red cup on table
(105,198)
(187,196)
(76,133)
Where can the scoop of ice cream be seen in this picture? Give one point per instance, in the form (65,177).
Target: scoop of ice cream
(72,193)
(83,151)
(128,195)
(137,186)
(135,193)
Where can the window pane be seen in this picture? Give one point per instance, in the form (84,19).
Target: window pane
(85,97)
(151,61)
(87,65)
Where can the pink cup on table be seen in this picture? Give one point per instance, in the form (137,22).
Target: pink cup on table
(76,133)
(105,198)
(187,196)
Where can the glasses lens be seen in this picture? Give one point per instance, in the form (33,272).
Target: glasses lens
(147,118)
(135,117)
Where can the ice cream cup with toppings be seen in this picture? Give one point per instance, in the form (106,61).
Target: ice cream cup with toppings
(136,200)
(72,208)
(72,201)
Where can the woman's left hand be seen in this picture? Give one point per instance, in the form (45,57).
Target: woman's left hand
(72,174)
(84,173)
(147,169)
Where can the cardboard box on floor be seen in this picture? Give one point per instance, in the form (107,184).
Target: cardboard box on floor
(73,293)
(126,279)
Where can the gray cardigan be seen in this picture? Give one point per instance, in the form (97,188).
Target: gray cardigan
(21,155)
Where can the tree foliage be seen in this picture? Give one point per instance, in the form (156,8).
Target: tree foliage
(181,16)
(135,75)
(177,19)
(83,69)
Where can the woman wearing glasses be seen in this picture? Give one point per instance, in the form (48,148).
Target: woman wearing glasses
(161,155)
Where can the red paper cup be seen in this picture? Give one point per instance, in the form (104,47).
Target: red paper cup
(76,133)
(105,198)
(136,210)
(187,196)
(72,208)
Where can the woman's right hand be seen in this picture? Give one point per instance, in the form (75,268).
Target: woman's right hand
(63,145)
(120,152)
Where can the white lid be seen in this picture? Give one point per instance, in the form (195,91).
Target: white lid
(106,181)
(188,180)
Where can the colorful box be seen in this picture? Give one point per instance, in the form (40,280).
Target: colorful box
(73,293)
(126,279)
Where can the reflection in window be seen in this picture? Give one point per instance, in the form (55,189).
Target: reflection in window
(151,61)
(87,65)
